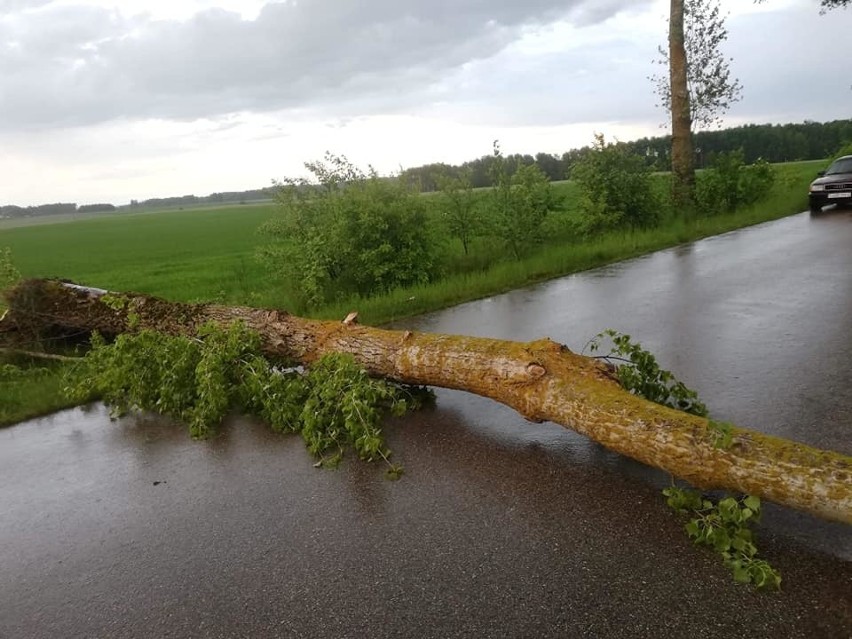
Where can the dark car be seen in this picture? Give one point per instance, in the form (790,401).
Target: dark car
(834,186)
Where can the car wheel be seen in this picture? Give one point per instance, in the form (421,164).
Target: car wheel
(816,207)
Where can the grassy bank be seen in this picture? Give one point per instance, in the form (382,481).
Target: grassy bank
(39,393)
(210,255)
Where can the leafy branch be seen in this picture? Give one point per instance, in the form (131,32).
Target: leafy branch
(640,374)
(334,405)
(724,525)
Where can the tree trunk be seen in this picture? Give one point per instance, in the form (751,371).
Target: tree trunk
(542,380)
(683,163)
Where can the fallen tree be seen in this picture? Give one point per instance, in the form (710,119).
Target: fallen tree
(542,380)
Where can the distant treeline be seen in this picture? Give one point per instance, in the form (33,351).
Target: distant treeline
(51,209)
(230,197)
(772,142)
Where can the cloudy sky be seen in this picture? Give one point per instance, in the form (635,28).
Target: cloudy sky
(106,101)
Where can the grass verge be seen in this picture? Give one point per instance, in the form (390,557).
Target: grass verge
(33,395)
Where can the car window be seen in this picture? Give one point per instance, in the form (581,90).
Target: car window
(841,166)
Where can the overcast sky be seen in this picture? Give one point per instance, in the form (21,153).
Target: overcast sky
(104,101)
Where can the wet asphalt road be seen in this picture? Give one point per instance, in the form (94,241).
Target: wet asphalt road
(500,528)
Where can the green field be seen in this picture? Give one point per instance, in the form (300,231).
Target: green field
(201,254)
(210,254)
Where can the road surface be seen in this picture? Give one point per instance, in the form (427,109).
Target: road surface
(499,528)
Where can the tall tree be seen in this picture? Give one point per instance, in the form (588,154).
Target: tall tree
(711,88)
(683,162)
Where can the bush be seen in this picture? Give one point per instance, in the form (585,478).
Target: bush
(521,201)
(730,184)
(352,233)
(460,210)
(846,149)
(756,180)
(617,189)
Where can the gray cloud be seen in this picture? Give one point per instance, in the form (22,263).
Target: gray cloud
(9,6)
(70,66)
(795,70)
(606,81)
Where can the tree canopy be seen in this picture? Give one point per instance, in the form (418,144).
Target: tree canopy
(711,87)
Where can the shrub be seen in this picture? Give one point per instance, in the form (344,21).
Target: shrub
(617,189)
(521,201)
(460,209)
(756,180)
(9,275)
(730,184)
(348,232)
(846,149)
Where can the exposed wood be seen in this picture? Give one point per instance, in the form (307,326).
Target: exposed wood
(542,380)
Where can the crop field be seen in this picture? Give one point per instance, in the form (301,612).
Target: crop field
(201,254)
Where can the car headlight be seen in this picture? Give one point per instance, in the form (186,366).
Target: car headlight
(817,187)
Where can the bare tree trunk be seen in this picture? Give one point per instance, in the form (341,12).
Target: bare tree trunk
(542,380)
(683,162)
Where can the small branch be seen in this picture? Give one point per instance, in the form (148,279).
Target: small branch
(58,358)
(6,326)
(611,357)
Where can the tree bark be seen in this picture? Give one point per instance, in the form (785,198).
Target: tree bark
(683,162)
(542,380)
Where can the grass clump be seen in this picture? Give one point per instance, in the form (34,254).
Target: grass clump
(29,388)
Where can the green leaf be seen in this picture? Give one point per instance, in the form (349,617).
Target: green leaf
(752,502)
(742,576)
(721,541)
(724,526)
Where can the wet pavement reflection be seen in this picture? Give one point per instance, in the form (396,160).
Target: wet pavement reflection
(499,528)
